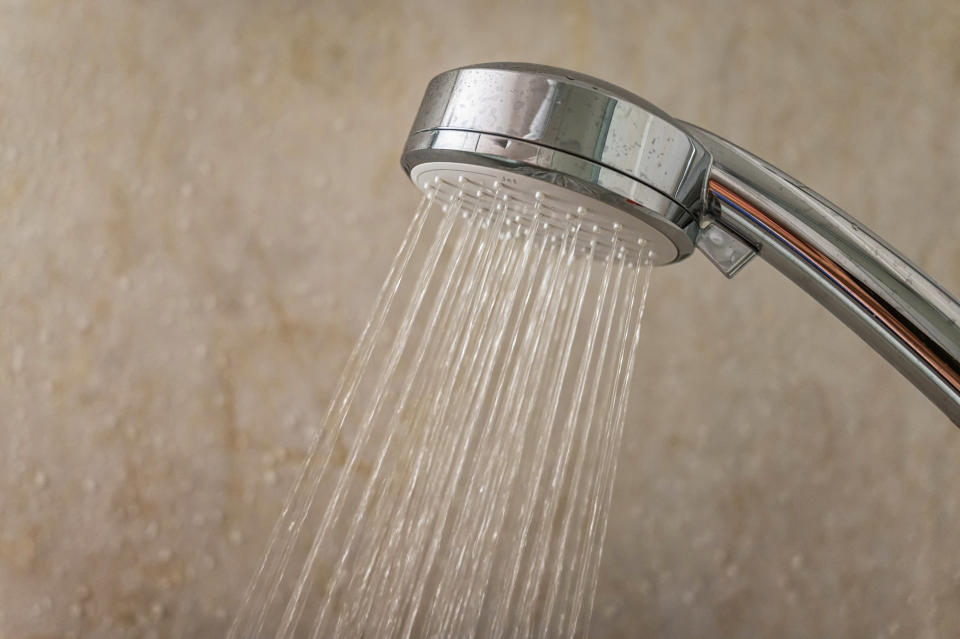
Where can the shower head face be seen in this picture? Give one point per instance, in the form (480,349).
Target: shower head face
(579,142)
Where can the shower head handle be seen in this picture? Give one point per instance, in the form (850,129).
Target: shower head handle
(584,140)
(888,301)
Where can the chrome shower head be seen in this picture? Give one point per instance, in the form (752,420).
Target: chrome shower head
(585,144)
(576,140)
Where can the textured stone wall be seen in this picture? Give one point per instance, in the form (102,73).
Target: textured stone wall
(198,201)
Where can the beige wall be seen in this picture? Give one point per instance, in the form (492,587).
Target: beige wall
(199,199)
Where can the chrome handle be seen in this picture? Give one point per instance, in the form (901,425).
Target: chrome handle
(890,303)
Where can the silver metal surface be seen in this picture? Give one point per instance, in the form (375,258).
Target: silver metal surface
(567,129)
(691,188)
(895,307)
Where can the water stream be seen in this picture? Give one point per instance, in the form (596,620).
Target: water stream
(460,483)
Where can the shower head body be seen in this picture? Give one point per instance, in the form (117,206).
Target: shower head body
(547,134)
(585,142)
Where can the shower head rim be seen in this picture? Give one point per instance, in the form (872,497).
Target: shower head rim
(638,205)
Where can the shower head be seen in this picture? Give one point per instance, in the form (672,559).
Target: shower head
(538,133)
(578,141)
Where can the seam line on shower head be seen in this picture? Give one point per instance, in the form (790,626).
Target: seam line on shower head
(579,156)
